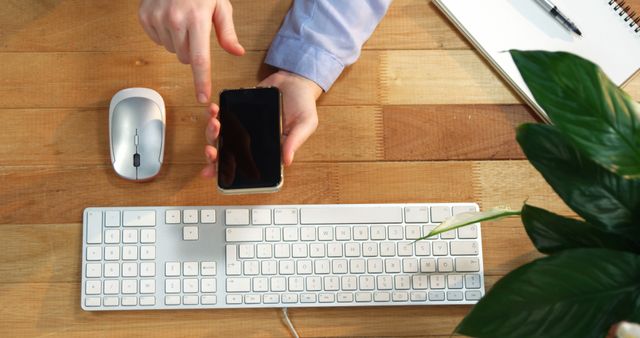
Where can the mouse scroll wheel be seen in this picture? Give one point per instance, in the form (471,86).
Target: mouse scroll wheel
(136,160)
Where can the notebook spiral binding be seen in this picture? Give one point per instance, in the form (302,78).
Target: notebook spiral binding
(625,12)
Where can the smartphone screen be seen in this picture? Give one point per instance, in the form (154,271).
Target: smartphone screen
(249,151)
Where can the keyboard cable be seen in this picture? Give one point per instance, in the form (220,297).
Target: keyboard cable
(287,321)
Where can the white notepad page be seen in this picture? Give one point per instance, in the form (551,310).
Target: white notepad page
(495,26)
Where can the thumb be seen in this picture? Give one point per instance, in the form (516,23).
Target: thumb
(297,135)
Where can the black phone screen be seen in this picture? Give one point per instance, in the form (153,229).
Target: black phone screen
(249,151)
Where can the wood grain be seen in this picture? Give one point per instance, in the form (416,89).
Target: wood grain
(449,132)
(77,25)
(419,118)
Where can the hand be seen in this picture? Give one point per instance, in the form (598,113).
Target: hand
(184,28)
(300,116)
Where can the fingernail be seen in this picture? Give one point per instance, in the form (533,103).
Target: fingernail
(202,98)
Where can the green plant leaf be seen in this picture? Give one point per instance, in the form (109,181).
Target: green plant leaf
(551,233)
(468,218)
(576,293)
(599,118)
(597,195)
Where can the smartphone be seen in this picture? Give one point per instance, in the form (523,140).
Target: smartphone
(249,144)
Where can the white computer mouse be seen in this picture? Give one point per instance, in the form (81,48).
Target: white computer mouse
(136,133)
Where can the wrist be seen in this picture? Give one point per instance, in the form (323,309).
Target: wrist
(300,81)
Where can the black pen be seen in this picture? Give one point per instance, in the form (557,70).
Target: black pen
(556,14)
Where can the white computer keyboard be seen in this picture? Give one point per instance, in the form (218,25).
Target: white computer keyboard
(277,256)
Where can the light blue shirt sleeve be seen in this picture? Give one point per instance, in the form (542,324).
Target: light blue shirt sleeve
(320,37)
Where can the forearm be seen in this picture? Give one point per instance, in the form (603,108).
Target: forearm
(319,38)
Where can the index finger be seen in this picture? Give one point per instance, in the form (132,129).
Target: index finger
(200,59)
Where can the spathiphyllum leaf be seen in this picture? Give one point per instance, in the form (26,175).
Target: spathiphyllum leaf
(601,197)
(576,293)
(552,233)
(600,119)
(468,218)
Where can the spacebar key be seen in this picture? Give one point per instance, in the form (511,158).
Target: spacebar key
(351,215)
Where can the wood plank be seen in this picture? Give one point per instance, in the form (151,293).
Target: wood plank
(77,136)
(77,25)
(54,309)
(90,79)
(48,80)
(453,132)
(32,195)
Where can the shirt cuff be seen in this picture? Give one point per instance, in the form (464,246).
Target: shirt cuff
(304,59)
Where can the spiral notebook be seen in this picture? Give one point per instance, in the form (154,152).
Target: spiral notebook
(610,34)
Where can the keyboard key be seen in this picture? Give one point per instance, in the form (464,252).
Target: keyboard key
(246,251)
(473,295)
(112,270)
(445,265)
(467,264)
(345,297)
(208,268)
(290,234)
(147,286)
(129,252)
(307,234)
(405,249)
(460,209)
(112,236)
(252,299)
(112,219)
(238,284)
(112,253)
(454,281)
(93,270)
(325,233)
(418,296)
(111,287)
(147,236)
(94,229)
(271,299)
(190,269)
(172,269)
(472,281)
(129,236)
(129,301)
(436,295)
(260,216)
(416,214)
(237,217)
(272,234)
(129,286)
(147,252)
(326,298)
(440,248)
(172,285)
(468,232)
(410,265)
(110,301)
(436,281)
(129,269)
(251,268)
(459,248)
(308,298)
(400,296)
(439,214)
(93,287)
(172,300)
(285,216)
(360,233)
(289,298)
(208,216)
(381,297)
(248,234)
(94,253)
(363,297)
(419,282)
(412,232)
(264,251)
(378,232)
(92,301)
(190,216)
(208,300)
(147,269)
(146,218)
(190,285)
(190,233)
(208,285)
(427,265)
(234,299)
(172,216)
(396,232)
(148,301)
(343,233)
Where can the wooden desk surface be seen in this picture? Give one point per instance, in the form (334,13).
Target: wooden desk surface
(419,118)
